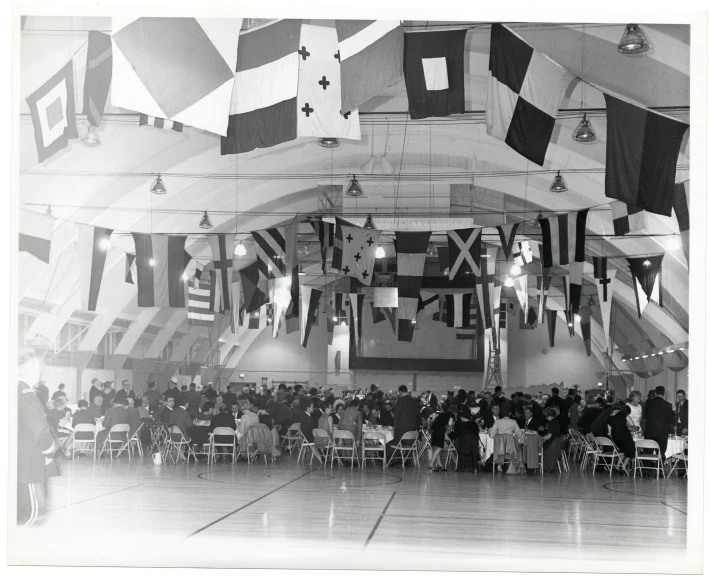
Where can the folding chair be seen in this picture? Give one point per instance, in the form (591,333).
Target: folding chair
(323,446)
(156,437)
(676,459)
(135,441)
(590,450)
(84,439)
(640,457)
(223,433)
(344,442)
(610,460)
(575,446)
(305,446)
(425,442)
(373,447)
(562,461)
(450,453)
(292,438)
(175,445)
(406,448)
(117,435)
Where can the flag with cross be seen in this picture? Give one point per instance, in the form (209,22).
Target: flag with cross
(464,252)
(604,278)
(354,250)
(222,246)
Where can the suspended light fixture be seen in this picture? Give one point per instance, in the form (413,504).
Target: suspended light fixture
(675,243)
(380,252)
(105,244)
(240,249)
(431,250)
(369,224)
(328,142)
(414,321)
(558,184)
(369,166)
(515,270)
(646,263)
(335,318)
(570,324)
(633,41)
(205,222)
(584,132)
(90,137)
(537,224)
(387,167)
(158,187)
(509,282)
(354,188)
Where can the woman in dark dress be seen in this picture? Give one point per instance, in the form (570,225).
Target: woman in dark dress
(552,441)
(620,433)
(466,435)
(438,438)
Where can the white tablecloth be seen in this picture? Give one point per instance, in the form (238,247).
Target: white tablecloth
(675,446)
(488,444)
(388,431)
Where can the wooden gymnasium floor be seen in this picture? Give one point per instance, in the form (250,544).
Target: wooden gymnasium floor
(269,514)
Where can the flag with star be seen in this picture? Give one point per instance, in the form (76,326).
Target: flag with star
(604,278)
(354,250)
(318,99)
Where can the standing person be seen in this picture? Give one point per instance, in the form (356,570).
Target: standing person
(635,410)
(109,395)
(95,390)
(195,399)
(552,443)
(406,414)
(651,394)
(681,413)
(173,391)
(442,424)
(620,433)
(125,392)
(153,397)
(59,393)
(575,410)
(659,419)
(555,400)
(35,444)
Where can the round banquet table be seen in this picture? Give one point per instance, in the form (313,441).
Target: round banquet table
(488,445)
(676,445)
(388,431)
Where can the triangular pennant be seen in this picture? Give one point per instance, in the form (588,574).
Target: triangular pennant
(646,274)
(521,289)
(507,237)
(604,278)
(551,325)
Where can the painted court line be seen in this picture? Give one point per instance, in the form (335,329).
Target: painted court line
(94,498)
(377,524)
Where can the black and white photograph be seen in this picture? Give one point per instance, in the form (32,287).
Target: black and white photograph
(350,288)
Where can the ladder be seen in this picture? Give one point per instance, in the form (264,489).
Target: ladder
(493,368)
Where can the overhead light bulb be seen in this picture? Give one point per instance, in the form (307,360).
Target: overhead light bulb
(509,282)
(536,223)
(184,276)
(354,188)
(387,167)
(558,184)
(414,321)
(633,41)
(369,166)
(205,222)
(90,137)
(151,262)
(343,323)
(328,142)
(646,263)
(515,270)
(158,187)
(661,352)
(369,224)
(240,249)
(380,252)
(584,132)
(105,244)
(675,243)
(570,325)
(600,384)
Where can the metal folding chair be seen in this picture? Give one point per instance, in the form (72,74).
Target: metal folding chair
(373,447)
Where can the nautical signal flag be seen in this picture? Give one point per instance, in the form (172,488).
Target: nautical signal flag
(162,123)
(627,219)
(52,111)
(585,324)
(254,287)
(573,285)
(326,236)
(647,280)
(130,268)
(356,318)
(222,246)
(354,250)
(484,289)
(525,89)
(604,278)
(370,55)
(180,69)
(411,255)
(563,238)
(507,237)
(98,76)
(92,247)
(642,150)
(682,214)
(434,73)
(428,303)
(200,300)
(36,234)
(271,251)
(262,112)
(310,298)
(522,253)
(543,286)
(464,252)
(382,314)
(521,290)
(551,325)
(160,263)
(458,310)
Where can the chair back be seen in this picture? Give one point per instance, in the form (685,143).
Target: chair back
(378,437)
(118,429)
(647,444)
(409,437)
(294,427)
(320,433)
(343,435)
(176,435)
(601,441)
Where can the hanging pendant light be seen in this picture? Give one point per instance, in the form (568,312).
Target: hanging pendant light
(369,224)
(387,167)
(584,132)
(558,184)
(205,222)
(240,249)
(328,142)
(354,188)
(90,137)
(380,252)
(369,166)
(536,223)
(158,187)
(633,41)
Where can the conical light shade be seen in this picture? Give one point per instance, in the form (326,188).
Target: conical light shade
(558,184)
(536,223)
(328,142)
(90,137)
(584,132)
(633,41)
(205,222)
(369,224)
(369,166)
(354,188)
(387,167)
(240,250)
(158,187)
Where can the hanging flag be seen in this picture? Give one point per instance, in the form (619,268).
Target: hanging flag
(279,299)
(642,150)
(468,333)
(310,298)
(130,268)
(180,69)
(356,302)
(292,323)
(326,236)
(458,310)
(222,246)
(337,307)
(52,111)
(585,324)
(521,289)
(464,252)
(385,297)
(255,319)
(271,251)
(318,101)
(507,237)
(145,120)
(551,325)
(627,218)
(434,73)
(428,303)
(681,199)
(370,55)
(291,263)
(263,107)
(336,363)
(411,255)
(200,301)
(443,255)
(563,238)
(543,285)
(92,248)
(98,76)
(354,251)
(160,263)
(525,89)
(532,317)
(35,234)
(254,287)
(495,334)
(236,314)
(647,280)
(574,286)
(522,253)
(604,278)
(484,289)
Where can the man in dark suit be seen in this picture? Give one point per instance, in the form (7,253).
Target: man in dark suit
(555,400)
(95,390)
(590,414)
(117,414)
(109,396)
(659,419)
(153,397)
(229,397)
(531,423)
(224,419)
(96,407)
(568,401)
(406,414)
(125,391)
(681,413)
(302,411)
(195,398)
(180,417)
(173,391)
(490,416)
(82,415)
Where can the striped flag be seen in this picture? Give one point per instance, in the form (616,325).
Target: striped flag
(680,207)
(574,286)
(371,55)
(464,252)
(291,264)
(563,238)
(160,263)
(385,297)
(35,234)
(263,108)
(145,120)
(200,301)
(222,246)
(411,255)
(507,237)
(271,251)
(92,245)
(98,76)
(484,289)
(458,310)
(310,298)
(326,236)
